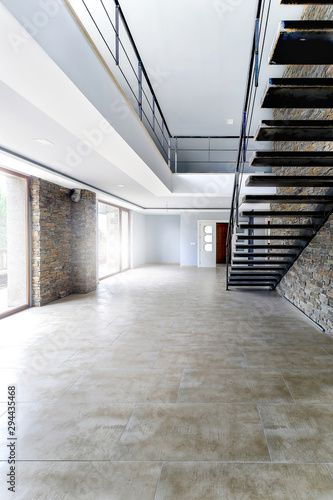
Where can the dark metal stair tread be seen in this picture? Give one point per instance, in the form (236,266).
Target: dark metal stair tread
(306,2)
(295,130)
(298,93)
(273,237)
(286,198)
(255,273)
(306,227)
(283,213)
(241,255)
(292,159)
(290,180)
(297,82)
(280,269)
(268,247)
(253,278)
(254,283)
(263,262)
(303,42)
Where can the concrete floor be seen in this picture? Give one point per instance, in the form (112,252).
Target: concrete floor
(163,386)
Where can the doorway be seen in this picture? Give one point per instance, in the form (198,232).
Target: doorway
(207,243)
(113,239)
(221,241)
(14,242)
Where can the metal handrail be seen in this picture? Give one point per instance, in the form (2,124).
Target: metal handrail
(148,107)
(252,78)
(139,72)
(142,65)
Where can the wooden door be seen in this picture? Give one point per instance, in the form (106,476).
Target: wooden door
(221,240)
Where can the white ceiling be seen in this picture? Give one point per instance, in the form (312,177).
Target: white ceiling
(197,59)
(197,55)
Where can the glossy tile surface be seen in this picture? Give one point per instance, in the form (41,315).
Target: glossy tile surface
(309,386)
(215,481)
(73,431)
(232,386)
(129,385)
(162,385)
(193,431)
(298,433)
(201,357)
(83,481)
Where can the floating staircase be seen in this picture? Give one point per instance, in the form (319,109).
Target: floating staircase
(292,158)
(299,92)
(262,254)
(295,130)
(306,2)
(304,42)
(290,181)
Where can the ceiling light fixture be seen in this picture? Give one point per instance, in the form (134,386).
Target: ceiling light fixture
(230,121)
(45,142)
(121,185)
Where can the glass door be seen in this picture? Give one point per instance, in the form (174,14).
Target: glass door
(113,239)
(108,240)
(14,245)
(124,239)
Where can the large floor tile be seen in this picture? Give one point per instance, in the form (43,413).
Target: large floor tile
(156,337)
(33,357)
(61,431)
(125,386)
(310,386)
(232,386)
(201,357)
(36,385)
(329,348)
(298,433)
(82,481)
(216,481)
(151,367)
(193,432)
(226,338)
(117,356)
(281,358)
(286,338)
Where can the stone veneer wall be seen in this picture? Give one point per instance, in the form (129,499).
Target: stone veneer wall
(63,242)
(308,284)
(84,243)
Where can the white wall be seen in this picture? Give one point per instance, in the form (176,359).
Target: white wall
(189,233)
(168,238)
(162,239)
(138,239)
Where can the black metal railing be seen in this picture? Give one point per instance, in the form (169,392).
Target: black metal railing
(109,32)
(204,154)
(259,36)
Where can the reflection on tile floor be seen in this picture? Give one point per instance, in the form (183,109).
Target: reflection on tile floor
(163,386)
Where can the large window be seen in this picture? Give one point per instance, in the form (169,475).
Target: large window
(14,247)
(124,240)
(113,239)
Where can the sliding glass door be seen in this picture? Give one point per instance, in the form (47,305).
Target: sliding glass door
(124,239)
(14,246)
(113,239)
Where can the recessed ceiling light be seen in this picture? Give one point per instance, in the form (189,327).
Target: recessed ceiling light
(121,185)
(230,121)
(45,142)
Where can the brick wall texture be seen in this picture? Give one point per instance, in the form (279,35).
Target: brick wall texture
(63,242)
(308,284)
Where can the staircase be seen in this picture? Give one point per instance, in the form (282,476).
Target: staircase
(262,250)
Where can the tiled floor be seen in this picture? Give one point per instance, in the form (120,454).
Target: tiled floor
(163,386)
